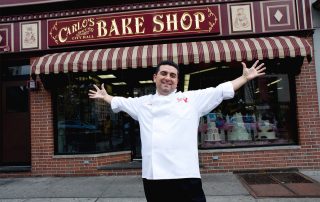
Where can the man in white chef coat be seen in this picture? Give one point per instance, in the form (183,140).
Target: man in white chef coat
(169,126)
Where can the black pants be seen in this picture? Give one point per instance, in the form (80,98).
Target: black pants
(175,190)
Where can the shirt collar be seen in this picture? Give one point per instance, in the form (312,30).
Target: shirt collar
(169,95)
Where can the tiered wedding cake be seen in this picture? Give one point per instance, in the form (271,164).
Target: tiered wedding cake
(237,130)
(213,132)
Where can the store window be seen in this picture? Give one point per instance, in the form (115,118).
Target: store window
(262,113)
(89,126)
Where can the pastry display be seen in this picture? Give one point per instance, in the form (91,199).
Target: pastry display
(237,129)
(265,130)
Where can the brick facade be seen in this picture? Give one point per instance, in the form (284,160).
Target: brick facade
(306,155)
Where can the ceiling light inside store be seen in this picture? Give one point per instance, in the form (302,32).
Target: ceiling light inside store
(145,82)
(107,76)
(205,70)
(186,82)
(276,81)
(119,83)
(94,79)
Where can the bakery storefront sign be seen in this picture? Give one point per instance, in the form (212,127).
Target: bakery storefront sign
(135,25)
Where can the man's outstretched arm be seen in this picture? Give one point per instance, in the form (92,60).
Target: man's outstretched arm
(248,74)
(100,94)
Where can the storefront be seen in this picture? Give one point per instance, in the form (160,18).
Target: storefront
(272,122)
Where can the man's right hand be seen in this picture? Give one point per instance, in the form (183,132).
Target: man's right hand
(100,94)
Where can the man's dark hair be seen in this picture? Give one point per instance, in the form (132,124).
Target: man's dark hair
(167,62)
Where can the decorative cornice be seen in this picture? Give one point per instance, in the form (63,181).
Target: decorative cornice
(24,3)
(107,9)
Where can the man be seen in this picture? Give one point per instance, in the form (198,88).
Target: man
(169,124)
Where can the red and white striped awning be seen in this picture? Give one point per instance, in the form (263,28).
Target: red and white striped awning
(182,53)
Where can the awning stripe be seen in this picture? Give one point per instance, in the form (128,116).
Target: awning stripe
(95,60)
(104,60)
(114,59)
(200,50)
(237,49)
(274,48)
(85,66)
(164,52)
(190,53)
(305,44)
(185,54)
(252,48)
(206,52)
(175,53)
(154,55)
(69,61)
(134,57)
(139,57)
(182,53)
(169,52)
(269,49)
(50,60)
(247,47)
(42,64)
(195,53)
(219,55)
(57,63)
(144,56)
(295,44)
(112,52)
(242,49)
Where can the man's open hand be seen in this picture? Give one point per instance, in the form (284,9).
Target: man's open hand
(254,71)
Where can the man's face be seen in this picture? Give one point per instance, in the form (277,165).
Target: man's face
(166,79)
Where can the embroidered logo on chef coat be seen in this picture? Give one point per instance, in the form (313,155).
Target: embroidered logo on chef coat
(184,99)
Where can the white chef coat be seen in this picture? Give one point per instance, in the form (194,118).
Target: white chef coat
(169,128)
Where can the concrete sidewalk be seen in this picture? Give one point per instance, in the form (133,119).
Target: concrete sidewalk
(217,187)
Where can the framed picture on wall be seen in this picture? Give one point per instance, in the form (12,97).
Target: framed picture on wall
(3,38)
(29,36)
(241,18)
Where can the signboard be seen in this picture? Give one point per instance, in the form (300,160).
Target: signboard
(134,25)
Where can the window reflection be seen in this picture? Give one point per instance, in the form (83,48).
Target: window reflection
(19,70)
(90,126)
(261,113)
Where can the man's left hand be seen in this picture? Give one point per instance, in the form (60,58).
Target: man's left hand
(254,71)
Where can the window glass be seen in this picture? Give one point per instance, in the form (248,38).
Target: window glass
(261,113)
(89,126)
(19,70)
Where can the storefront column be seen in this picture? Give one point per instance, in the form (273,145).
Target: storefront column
(316,39)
